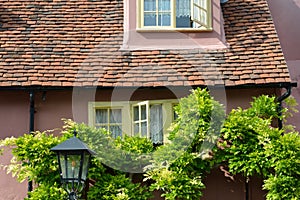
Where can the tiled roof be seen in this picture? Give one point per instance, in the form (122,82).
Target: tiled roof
(77,43)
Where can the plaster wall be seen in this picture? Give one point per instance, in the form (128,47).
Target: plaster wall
(286,15)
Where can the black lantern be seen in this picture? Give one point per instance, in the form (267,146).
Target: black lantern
(73,159)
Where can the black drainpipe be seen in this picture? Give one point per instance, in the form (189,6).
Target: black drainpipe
(279,100)
(31,125)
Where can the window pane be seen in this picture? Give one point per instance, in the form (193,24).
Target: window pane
(150,19)
(164,19)
(143,112)
(183,14)
(200,13)
(164,5)
(115,116)
(149,5)
(183,8)
(101,116)
(116,131)
(136,113)
(136,128)
(156,124)
(144,129)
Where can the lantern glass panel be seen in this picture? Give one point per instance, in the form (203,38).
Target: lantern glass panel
(70,166)
(85,166)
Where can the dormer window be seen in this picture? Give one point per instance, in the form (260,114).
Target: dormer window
(173,24)
(174,14)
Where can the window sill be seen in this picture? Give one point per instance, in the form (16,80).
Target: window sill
(192,30)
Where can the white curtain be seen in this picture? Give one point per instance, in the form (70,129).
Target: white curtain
(164,5)
(101,116)
(154,18)
(183,8)
(115,121)
(156,124)
(149,5)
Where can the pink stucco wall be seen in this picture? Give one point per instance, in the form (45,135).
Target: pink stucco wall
(286,15)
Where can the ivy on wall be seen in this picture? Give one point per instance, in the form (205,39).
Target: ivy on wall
(200,139)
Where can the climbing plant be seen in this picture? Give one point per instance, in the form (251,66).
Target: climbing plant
(252,146)
(179,167)
(33,159)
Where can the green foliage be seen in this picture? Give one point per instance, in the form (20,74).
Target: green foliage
(176,184)
(200,118)
(127,154)
(284,155)
(264,107)
(245,134)
(290,104)
(178,166)
(114,186)
(47,191)
(33,159)
(134,144)
(252,146)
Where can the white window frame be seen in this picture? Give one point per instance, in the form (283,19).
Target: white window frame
(141,121)
(108,123)
(205,22)
(124,106)
(127,114)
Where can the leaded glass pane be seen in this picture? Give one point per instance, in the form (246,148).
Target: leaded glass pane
(150,19)
(164,19)
(164,5)
(116,131)
(115,116)
(136,128)
(136,113)
(149,5)
(144,129)
(143,112)
(101,116)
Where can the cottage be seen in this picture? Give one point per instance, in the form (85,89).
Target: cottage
(123,65)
